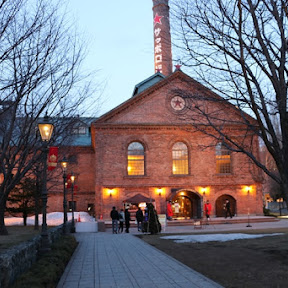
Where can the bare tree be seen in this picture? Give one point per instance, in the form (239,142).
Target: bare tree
(239,50)
(40,61)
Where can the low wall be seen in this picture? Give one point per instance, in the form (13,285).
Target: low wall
(20,258)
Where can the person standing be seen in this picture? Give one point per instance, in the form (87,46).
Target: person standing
(139,218)
(115,217)
(227,209)
(127,220)
(169,211)
(121,220)
(207,209)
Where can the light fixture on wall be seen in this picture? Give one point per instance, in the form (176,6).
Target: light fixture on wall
(248,189)
(159,191)
(204,190)
(110,192)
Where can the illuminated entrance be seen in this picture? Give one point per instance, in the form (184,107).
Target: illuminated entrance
(186,205)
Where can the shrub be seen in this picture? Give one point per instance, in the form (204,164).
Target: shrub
(47,271)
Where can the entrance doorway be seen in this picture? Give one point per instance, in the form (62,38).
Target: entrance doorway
(220,211)
(186,205)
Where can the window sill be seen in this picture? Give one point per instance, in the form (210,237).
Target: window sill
(224,175)
(180,175)
(136,177)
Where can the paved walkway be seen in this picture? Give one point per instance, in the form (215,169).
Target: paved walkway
(105,260)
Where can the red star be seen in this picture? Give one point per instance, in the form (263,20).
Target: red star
(178,103)
(178,66)
(157,19)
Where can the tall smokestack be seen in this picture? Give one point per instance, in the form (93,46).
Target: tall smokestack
(162,37)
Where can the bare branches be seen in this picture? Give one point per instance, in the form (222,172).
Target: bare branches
(40,70)
(239,49)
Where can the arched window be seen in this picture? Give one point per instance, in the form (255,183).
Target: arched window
(223,159)
(136,159)
(180,159)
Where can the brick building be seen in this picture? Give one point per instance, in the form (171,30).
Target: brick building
(148,149)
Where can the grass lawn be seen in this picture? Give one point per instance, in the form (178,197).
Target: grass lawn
(17,235)
(253,263)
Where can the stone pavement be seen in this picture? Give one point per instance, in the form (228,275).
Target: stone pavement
(105,260)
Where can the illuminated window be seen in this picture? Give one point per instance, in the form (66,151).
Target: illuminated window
(180,159)
(136,159)
(223,159)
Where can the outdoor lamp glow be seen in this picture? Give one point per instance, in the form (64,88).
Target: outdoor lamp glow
(46,128)
(72,177)
(64,164)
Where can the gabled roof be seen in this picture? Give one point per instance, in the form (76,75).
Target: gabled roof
(140,87)
(155,82)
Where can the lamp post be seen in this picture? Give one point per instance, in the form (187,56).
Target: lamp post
(64,164)
(248,189)
(72,230)
(45,128)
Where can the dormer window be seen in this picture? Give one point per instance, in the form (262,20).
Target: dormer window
(81,130)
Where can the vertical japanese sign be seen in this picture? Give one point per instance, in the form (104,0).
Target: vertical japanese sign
(162,37)
(158,57)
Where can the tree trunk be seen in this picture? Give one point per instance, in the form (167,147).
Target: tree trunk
(25,218)
(3,229)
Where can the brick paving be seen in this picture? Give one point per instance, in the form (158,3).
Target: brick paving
(105,260)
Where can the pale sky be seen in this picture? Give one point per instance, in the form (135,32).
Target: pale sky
(120,46)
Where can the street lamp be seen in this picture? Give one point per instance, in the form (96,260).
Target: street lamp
(72,191)
(46,128)
(64,164)
(248,189)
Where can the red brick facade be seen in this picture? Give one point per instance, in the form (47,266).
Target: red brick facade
(149,119)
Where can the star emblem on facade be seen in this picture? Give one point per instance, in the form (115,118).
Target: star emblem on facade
(157,19)
(177,103)
(178,66)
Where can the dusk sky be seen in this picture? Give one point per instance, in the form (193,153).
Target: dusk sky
(120,46)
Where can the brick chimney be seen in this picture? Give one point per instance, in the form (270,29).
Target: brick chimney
(162,37)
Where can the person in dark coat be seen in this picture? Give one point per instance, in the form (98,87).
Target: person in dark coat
(139,218)
(115,217)
(127,220)
(227,209)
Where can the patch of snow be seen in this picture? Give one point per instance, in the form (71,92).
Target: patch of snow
(215,237)
(53,219)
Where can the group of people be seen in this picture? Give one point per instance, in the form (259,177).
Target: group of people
(124,216)
(207,210)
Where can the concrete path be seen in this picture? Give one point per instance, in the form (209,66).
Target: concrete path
(105,260)
(122,260)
